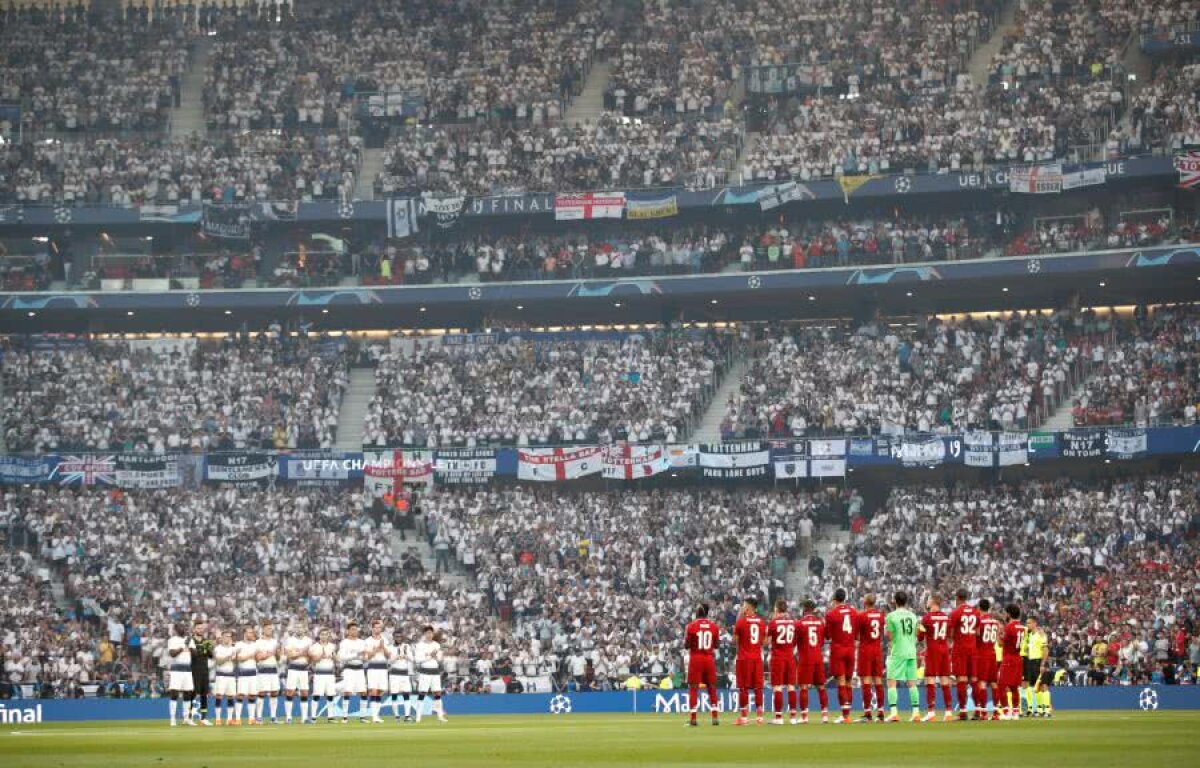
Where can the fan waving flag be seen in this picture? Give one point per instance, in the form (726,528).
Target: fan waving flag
(630,462)
(556,464)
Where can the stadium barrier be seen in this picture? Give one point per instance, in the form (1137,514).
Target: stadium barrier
(29,711)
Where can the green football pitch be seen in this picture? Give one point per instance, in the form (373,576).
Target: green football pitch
(1071,739)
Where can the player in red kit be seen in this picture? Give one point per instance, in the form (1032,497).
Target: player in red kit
(840,622)
(964,631)
(1011,667)
(935,631)
(781,635)
(870,656)
(986,667)
(810,638)
(749,634)
(702,638)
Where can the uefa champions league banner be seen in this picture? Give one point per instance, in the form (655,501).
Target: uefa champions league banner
(25,715)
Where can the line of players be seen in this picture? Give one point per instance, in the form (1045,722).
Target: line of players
(959,646)
(247,673)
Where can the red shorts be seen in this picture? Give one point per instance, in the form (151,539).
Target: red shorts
(986,668)
(963,664)
(811,673)
(702,670)
(841,661)
(870,662)
(783,670)
(937,664)
(750,673)
(1010,673)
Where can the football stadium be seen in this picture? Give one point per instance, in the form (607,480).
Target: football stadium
(599,382)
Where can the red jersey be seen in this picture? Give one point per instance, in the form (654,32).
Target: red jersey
(870,628)
(1014,632)
(840,626)
(703,637)
(810,637)
(935,626)
(782,631)
(964,628)
(989,634)
(750,632)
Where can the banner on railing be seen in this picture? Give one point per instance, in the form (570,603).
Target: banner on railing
(386,470)
(590,205)
(734,460)
(228,222)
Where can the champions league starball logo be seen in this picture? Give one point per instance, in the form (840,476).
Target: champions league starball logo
(560,705)
(1148,699)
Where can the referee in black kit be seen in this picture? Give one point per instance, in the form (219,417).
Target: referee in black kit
(202,650)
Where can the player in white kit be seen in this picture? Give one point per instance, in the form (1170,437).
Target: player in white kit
(351,652)
(427,654)
(377,651)
(246,652)
(296,646)
(268,672)
(179,673)
(225,687)
(400,676)
(323,655)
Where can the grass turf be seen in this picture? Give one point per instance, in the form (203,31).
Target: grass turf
(1090,739)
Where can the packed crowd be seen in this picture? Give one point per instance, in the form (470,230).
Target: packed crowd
(614,152)
(530,392)
(1086,232)
(1112,563)
(1149,373)
(241,167)
(274,391)
(944,376)
(79,71)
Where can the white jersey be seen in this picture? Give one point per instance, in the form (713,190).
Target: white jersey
(323,655)
(270,647)
(401,659)
(224,659)
(350,652)
(300,646)
(428,656)
(378,651)
(181,659)
(245,650)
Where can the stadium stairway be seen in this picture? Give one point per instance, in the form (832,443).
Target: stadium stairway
(589,105)
(979,65)
(368,171)
(353,414)
(709,428)
(188,118)
(417,543)
(825,538)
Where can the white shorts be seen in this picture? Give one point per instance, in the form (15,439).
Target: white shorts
(225,685)
(429,683)
(297,680)
(377,679)
(399,683)
(268,682)
(324,684)
(179,681)
(247,685)
(354,681)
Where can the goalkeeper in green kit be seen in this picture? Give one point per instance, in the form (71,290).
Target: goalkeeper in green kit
(901,627)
